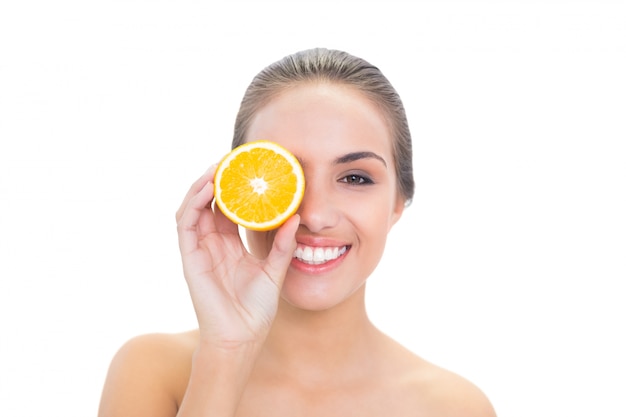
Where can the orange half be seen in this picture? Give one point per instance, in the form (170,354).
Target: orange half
(259,185)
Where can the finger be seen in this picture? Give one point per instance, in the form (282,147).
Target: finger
(282,250)
(197,211)
(195,188)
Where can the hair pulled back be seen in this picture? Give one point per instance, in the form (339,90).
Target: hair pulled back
(333,66)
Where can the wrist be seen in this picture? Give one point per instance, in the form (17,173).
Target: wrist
(219,375)
(211,355)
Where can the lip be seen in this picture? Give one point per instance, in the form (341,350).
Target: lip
(318,241)
(313,241)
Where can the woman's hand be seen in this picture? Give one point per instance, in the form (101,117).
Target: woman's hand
(235,295)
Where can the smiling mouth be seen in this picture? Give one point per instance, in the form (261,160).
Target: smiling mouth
(318,255)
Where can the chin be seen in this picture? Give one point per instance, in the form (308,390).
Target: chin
(316,295)
(307,304)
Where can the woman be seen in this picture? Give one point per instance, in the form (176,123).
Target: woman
(279,333)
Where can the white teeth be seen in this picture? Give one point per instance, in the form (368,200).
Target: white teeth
(307,254)
(316,256)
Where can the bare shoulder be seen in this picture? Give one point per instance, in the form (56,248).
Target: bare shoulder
(444,393)
(148,375)
(161,343)
(157,353)
(430,390)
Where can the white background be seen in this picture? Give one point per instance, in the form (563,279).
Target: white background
(508,268)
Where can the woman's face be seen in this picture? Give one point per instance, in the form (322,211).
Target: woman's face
(351,198)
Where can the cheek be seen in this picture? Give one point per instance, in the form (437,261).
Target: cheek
(373,221)
(376,212)
(372,238)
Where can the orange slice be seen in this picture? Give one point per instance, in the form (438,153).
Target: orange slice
(259,185)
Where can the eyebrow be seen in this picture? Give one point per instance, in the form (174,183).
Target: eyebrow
(355,156)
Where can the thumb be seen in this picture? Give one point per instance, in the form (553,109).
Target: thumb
(282,250)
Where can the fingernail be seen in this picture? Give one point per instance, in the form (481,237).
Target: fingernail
(212,167)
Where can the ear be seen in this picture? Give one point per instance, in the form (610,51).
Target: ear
(398,209)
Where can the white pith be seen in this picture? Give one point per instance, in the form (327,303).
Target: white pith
(318,255)
(259,185)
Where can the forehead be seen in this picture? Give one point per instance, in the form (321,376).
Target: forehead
(322,114)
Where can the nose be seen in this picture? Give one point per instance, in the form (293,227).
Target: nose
(317,210)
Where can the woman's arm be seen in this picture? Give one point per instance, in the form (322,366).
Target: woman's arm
(235,297)
(217,381)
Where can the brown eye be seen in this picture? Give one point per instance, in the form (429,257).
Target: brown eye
(354,179)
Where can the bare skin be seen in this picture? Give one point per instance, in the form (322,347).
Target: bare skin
(406,385)
(279,335)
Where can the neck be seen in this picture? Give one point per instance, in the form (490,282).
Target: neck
(317,344)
